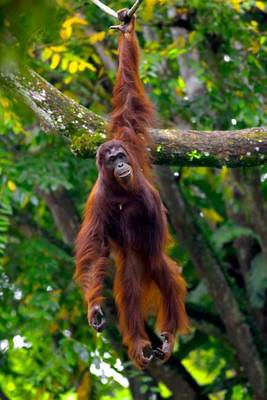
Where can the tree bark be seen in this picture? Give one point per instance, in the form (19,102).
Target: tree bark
(86,130)
(172,378)
(250,183)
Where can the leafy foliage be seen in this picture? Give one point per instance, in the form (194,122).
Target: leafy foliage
(46,349)
(227,233)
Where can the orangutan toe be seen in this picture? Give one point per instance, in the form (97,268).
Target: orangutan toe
(163,352)
(142,354)
(96,318)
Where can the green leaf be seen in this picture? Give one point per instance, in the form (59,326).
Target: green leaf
(228,232)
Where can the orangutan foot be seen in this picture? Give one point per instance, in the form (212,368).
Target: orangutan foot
(96,318)
(141,353)
(164,351)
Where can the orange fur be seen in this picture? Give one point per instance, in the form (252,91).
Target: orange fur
(132,223)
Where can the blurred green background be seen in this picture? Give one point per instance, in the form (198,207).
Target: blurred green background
(204,66)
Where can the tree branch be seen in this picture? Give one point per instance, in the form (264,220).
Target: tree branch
(113,13)
(28,228)
(134,8)
(250,181)
(105,8)
(87,130)
(66,218)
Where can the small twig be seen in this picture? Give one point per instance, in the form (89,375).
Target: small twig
(113,13)
(134,8)
(105,8)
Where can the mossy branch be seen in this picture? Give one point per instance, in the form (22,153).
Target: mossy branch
(86,130)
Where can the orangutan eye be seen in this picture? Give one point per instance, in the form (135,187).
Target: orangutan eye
(121,156)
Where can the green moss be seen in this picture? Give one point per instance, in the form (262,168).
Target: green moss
(85,145)
(194,154)
(256,134)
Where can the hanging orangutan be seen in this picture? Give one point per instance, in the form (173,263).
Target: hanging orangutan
(124,214)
